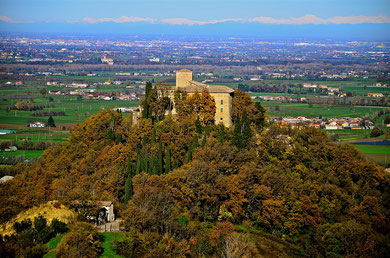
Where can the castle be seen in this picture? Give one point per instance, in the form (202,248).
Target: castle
(222,95)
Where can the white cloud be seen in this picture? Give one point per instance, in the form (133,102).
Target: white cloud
(5,18)
(122,19)
(312,19)
(184,21)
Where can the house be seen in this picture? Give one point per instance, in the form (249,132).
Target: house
(376,95)
(108,208)
(11,148)
(36,124)
(331,127)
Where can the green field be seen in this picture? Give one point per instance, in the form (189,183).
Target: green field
(373,149)
(52,245)
(27,153)
(109,237)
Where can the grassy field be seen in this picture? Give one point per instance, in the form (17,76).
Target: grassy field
(27,153)
(109,237)
(373,149)
(52,245)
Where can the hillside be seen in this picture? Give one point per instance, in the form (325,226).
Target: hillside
(183,186)
(49,211)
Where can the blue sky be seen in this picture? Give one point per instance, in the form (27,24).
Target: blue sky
(199,10)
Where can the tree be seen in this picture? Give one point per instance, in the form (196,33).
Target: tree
(243,102)
(160,159)
(146,112)
(129,183)
(43,91)
(242,132)
(204,140)
(375,132)
(50,122)
(168,166)
(201,105)
(221,135)
(83,240)
(387,119)
(198,125)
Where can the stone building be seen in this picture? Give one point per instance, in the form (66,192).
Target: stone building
(222,95)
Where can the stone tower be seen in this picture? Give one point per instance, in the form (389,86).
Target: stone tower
(183,77)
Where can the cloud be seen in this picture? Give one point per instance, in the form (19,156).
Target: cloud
(123,19)
(184,21)
(5,18)
(312,19)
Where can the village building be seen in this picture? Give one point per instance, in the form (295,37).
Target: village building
(108,208)
(36,124)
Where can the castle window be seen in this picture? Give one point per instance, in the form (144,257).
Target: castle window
(221,101)
(221,110)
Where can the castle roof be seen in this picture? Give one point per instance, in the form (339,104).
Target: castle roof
(197,86)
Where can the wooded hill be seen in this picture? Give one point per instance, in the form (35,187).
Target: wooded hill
(185,187)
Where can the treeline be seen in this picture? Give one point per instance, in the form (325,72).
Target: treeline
(27,105)
(51,113)
(26,145)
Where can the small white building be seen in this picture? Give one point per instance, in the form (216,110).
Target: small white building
(36,124)
(109,208)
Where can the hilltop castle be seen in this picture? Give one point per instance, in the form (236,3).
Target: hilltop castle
(222,95)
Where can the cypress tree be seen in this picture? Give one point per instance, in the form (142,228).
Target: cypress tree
(198,125)
(146,109)
(204,140)
(221,136)
(189,156)
(139,163)
(152,165)
(50,122)
(160,159)
(195,143)
(153,136)
(146,163)
(129,182)
(128,188)
(246,130)
(144,141)
(168,166)
(237,133)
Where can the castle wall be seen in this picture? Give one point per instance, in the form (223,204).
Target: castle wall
(223,104)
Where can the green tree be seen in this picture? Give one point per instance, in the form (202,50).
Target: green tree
(145,104)
(168,165)
(204,140)
(51,122)
(160,159)
(221,135)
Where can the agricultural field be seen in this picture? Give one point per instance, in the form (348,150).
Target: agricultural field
(27,153)
(76,111)
(318,110)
